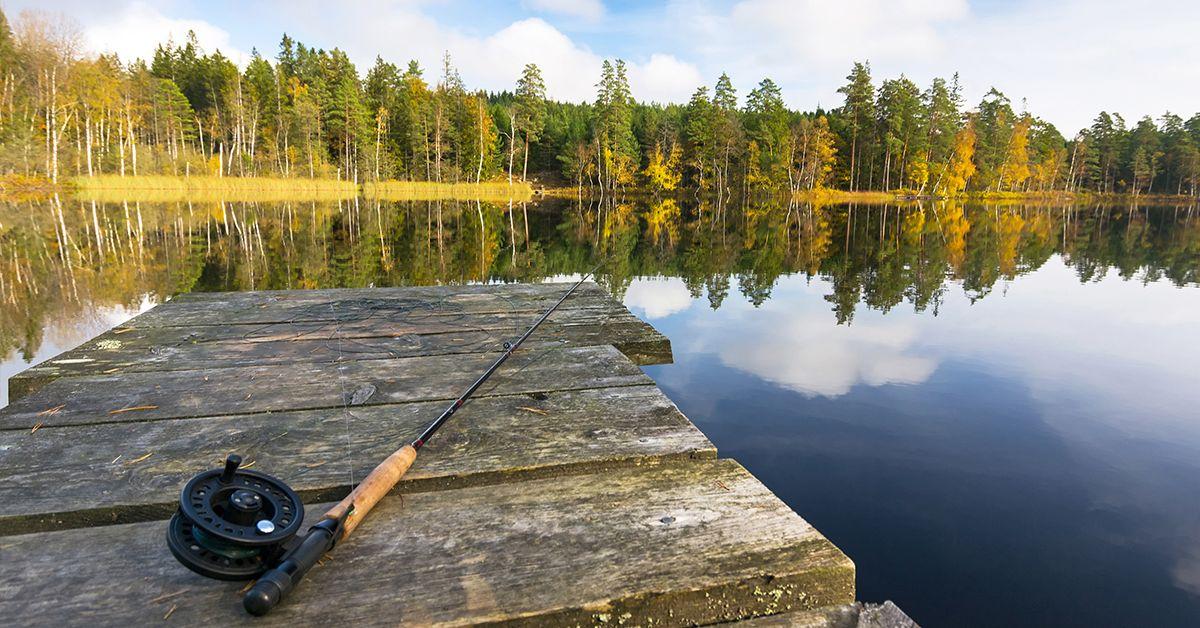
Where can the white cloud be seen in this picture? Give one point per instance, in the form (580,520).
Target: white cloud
(491,61)
(808,45)
(1070,58)
(658,297)
(135,31)
(1075,57)
(664,79)
(828,32)
(569,71)
(591,10)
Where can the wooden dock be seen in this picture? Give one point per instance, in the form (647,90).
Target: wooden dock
(570,491)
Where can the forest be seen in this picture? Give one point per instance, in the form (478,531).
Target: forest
(309,112)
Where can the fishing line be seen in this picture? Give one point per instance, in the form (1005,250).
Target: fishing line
(337,365)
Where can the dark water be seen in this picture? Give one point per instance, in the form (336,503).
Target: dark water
(995,411)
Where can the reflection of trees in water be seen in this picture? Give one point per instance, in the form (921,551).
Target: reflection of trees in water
(59,259)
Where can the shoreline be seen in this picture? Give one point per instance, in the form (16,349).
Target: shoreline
(171,188)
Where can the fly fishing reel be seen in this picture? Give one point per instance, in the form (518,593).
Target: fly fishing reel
(233,524)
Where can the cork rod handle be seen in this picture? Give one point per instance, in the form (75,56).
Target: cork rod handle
(372,489)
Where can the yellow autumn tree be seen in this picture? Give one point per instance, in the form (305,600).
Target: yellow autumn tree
(664,172)
(918,173)
(754,174)
(1015,169)
(824,152)
(961,167)
(1045,172)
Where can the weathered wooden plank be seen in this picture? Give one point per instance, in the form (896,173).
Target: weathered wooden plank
(180,348)
(101,474)
(339,332)
(682,544)
(274,388)
(225,308)
(857,615)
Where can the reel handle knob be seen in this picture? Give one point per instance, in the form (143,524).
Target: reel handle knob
(231,466)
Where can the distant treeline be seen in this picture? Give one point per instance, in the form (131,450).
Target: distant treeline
(310,113)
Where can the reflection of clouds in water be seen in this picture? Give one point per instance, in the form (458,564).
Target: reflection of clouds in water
(800,351)
(1108,353)
(1186,571)
(657,297)
(791,341)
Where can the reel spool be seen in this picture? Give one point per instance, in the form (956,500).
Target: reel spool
(232,524)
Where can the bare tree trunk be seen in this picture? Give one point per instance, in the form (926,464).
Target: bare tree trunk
(53,126)
(479,170)
(437,141)
(132,138)
(425,144)
(512,140)
(87,126)
(887,168)
(525,165)
(121,142)
(853,157)
(378,141)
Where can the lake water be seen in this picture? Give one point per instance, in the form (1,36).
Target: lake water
(993,410)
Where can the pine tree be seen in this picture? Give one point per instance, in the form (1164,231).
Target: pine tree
(618,147)
(700,129)
(859,112)
(994,128)
(411,123)
(767,126)
(941,121)
(899,110)
(531,109)
(728,126)
(1144,155)
(381,90)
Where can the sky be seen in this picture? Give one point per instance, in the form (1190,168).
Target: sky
(1067,59)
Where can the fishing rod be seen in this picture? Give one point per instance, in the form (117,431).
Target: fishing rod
(237,524)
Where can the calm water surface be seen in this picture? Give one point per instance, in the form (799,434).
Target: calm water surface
(992,410)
